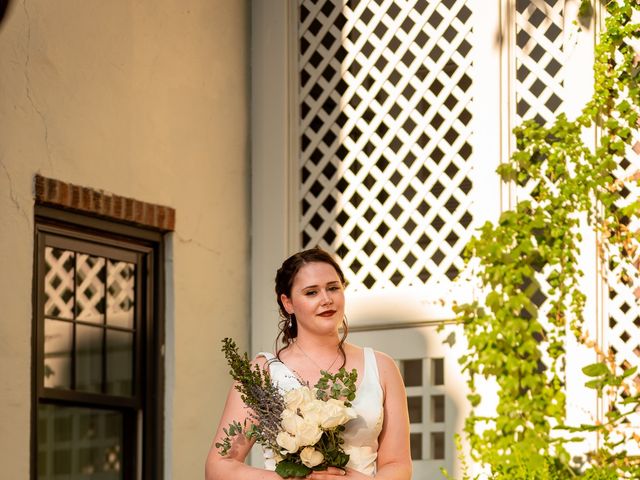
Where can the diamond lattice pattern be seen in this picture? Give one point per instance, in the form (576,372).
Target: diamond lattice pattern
(622,332)
(623,328)
(539,59)
(59,283)
(385,136)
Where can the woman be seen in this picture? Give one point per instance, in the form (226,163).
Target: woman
(310,294)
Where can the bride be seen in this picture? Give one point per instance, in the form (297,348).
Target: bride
(310,294)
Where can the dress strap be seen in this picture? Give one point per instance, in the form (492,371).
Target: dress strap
(269,356)
(371,364)
(281,375)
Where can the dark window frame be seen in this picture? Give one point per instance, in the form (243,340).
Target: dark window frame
(149,343)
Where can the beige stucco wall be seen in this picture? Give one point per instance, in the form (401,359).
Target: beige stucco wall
(145,99)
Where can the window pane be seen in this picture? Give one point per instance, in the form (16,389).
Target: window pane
(58,283)
(119,362)
(90,288)
(415,409)
(89,358)
(416,446)
(79,443)
(58,341)
(437,445)
(412,372)
(437,408)
(437,371)
(120,293)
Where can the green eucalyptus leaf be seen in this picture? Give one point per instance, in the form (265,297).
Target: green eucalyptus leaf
(287,469)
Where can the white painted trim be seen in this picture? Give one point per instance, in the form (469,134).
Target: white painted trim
(273,153)
(508,110)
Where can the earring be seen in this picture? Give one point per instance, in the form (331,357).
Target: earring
(290,322)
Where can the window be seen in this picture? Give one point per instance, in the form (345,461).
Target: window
(426,394)
(97,349)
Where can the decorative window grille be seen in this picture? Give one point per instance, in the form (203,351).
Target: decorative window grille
(385,133)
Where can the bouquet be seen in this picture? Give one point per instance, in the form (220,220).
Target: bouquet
(300,430)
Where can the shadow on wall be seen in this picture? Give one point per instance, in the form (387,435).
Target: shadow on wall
(4,6)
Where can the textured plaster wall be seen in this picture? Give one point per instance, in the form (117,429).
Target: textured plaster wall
(146,99)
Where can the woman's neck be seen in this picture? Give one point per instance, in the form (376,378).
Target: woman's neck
(318,345)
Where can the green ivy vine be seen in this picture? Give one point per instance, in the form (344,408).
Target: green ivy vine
(533,250)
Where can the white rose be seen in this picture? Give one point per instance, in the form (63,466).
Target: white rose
(288,442)
(336,413)
(308,433)
(291,421)
(297,397)
(311,457)
(313,411)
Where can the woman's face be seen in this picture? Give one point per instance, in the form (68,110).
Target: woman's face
(317,299)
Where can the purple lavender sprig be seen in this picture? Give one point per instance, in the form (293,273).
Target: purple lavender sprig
(263,399)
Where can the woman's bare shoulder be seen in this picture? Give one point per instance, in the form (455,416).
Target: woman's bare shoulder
(386,364)
(385,359)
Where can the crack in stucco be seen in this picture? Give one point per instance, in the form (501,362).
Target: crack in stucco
(28,84)
(12,194)
(191,240)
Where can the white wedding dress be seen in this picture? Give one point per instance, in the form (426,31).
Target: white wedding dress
(361,434)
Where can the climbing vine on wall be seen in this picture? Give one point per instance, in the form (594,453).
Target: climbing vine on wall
(535,247)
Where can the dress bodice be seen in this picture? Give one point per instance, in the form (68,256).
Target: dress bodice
(361,433)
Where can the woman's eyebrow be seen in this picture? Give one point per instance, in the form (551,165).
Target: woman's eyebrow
(333,282)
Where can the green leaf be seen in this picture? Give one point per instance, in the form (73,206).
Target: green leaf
(595,370)
(289,469)
(595,384)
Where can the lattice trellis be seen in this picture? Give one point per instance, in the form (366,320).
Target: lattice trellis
(385,136)
(622,331)
(538,90)
(539,59)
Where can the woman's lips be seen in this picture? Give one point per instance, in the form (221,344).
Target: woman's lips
(328,313)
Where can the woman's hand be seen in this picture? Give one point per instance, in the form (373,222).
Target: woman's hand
(333,473)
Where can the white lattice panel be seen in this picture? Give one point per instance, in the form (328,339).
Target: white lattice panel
(539,59)
(385,137)
(538,92)
(622,331)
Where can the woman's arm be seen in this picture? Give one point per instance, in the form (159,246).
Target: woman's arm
(232,465)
